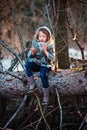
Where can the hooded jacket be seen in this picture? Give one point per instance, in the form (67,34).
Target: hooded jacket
(39,57)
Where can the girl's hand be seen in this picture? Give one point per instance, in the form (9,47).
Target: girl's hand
(33,50)
(44,47)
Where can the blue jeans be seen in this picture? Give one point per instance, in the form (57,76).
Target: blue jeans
(33,67)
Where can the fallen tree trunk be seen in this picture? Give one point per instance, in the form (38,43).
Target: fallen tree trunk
(68,82)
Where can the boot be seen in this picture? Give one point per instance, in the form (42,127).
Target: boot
(45,96)
(31,83)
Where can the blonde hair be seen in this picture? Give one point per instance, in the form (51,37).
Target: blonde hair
(52,39)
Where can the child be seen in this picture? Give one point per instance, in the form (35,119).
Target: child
(39,59)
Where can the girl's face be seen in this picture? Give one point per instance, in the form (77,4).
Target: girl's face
(42,37)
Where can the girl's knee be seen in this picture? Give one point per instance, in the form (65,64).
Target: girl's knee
(27,64)
(43,75)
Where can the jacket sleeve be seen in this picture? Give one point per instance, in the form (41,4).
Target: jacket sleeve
(51,51)
(30,53)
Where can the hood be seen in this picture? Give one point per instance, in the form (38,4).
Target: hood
(42,27)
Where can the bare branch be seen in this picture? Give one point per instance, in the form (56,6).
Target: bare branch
(60,108)
(16,113)
(12,51)
(16,23)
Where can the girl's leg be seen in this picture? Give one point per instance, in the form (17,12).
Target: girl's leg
(30,67)
(45,96)
(44,77)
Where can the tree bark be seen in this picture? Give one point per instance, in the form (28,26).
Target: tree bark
(63,56)
(68,82)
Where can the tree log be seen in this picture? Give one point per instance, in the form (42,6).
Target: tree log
(68,82)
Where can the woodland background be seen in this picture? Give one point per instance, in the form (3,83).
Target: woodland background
(18,23)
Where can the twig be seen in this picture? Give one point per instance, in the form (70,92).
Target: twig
(83,121)
(15,114)
(82,1)
(40,118)
(12,51)
(58,98)
(41,111)
(38,122)
(15,60)
(25,121)
(49,19)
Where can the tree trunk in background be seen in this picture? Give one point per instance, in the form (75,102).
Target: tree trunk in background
(59,29)
(62,38)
